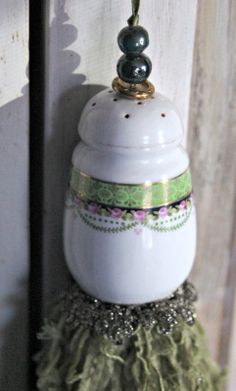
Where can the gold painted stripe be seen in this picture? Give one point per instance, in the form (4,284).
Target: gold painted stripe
(144,184)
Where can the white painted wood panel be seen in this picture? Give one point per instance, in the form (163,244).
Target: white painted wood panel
(81,57)
(14,136)
(212,146)
(232,352)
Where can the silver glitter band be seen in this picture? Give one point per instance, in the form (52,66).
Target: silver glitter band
(118,322)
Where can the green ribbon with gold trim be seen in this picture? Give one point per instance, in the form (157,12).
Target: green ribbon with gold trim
(143,196)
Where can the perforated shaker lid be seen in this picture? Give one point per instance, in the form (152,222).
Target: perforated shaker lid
(110,119)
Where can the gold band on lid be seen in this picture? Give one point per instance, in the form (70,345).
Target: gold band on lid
(140,91)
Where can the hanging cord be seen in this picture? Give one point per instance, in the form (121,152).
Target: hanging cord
(134,19)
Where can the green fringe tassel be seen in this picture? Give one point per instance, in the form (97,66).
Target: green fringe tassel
(149,361)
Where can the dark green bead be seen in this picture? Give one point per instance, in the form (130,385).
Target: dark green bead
(133,39)
(134,69)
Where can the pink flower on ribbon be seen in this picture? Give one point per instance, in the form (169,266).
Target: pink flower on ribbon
(139,215)
(182,204)
(77,200)
(163,212)
(116,213)
(138,231)
(93,207)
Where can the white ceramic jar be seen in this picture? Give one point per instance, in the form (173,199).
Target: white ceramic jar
(130,227)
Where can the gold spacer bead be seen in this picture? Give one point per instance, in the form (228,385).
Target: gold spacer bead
(140,91)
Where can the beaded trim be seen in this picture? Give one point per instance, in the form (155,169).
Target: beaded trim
(118,322)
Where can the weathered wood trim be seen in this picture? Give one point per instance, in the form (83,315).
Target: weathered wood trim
(14,194)
(212,145)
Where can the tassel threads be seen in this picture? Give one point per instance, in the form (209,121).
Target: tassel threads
(80,360)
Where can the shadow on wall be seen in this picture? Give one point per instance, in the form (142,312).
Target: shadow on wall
(68,96)
(14,238)
(14,340)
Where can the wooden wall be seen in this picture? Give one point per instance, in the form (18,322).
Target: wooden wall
(212,147)
(14,194)
(193,50)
